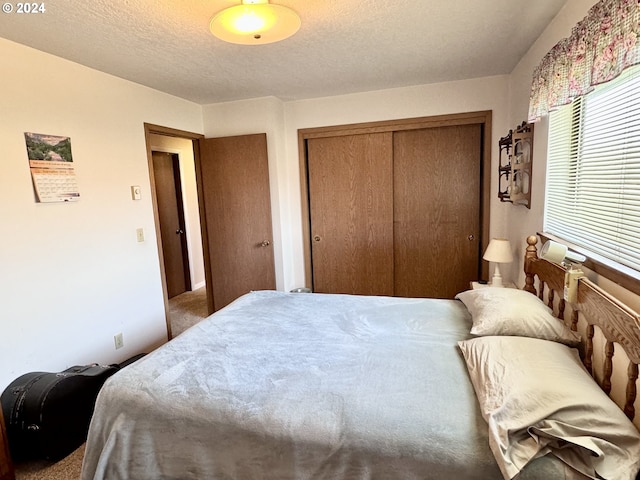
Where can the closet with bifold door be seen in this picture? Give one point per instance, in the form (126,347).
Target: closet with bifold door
(397,208)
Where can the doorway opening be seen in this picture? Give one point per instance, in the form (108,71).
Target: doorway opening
(172,156)
(171,201)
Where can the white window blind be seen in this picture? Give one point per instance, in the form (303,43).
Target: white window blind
(593,171)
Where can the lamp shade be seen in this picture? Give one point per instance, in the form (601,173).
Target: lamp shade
(558,253)
(255,22)
(498,251)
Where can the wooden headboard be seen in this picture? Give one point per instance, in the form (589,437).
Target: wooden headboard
(619,324)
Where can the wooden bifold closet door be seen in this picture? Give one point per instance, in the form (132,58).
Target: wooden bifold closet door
(396,212)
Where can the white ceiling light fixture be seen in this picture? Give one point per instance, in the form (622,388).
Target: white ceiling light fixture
(255,22)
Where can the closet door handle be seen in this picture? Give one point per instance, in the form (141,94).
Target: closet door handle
(317,238)
(471,237)
(179,231)
(265,243)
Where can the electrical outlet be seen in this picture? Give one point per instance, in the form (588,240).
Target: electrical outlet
(118,340)
(571,278)
(140,234)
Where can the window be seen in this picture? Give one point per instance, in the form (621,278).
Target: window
(593,171)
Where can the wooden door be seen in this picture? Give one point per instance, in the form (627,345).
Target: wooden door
(6,466)
(234,183)
(351,210)
(166,173)
(437,199)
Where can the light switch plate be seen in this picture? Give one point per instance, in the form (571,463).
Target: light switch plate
(118,340)
(136,193)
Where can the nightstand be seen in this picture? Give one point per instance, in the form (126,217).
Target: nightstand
(477,285)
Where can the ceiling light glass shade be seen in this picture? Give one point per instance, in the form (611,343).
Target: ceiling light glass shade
(255,22)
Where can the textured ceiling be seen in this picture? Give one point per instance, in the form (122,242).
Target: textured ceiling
(343,46)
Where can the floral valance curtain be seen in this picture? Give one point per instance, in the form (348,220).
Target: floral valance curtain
(600,47)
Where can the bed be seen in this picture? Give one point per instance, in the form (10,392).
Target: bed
(316,386)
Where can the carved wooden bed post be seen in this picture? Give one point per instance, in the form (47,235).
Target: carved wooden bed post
(531,255)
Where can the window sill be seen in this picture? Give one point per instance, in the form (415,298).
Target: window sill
(626,277)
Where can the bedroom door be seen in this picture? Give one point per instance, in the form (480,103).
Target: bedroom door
(166,173)
(351,209)
(234,183)
(437,202)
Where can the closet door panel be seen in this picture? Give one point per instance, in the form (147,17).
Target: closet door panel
(437,201)
(351,210)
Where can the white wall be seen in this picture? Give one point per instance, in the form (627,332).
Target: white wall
(281,121)
(524,222)
(73,275)
(184,149)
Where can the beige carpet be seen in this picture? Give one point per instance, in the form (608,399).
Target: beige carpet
(66,469)
(185,310)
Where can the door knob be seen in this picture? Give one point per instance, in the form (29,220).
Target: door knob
(265,243)
(317,238)
(471,238)
(179,231)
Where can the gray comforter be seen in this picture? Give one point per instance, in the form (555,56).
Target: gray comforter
(301,386)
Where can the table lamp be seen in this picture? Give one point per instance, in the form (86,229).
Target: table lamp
(498,251)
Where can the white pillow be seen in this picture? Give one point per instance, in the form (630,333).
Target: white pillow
(509,311)
(538,398)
